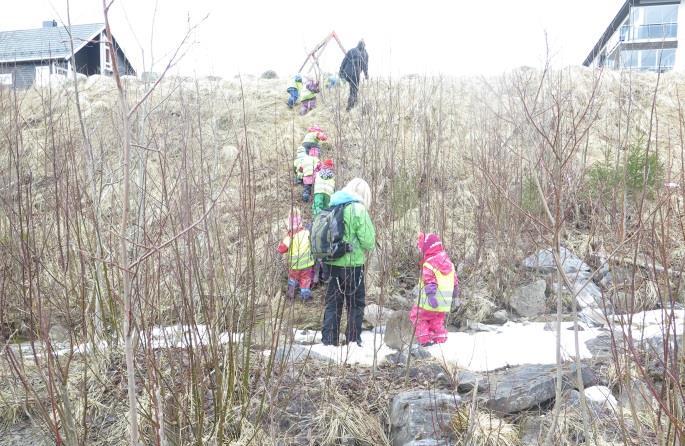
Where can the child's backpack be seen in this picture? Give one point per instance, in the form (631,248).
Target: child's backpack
(327,234)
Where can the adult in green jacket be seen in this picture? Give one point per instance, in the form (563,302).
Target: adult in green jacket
(346,285)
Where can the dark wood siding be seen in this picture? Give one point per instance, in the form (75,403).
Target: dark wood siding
(24,73)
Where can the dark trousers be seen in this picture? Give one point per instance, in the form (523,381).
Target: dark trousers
(346,286)
(354,88)
(306,192)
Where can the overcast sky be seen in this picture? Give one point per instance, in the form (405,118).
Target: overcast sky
(427,36)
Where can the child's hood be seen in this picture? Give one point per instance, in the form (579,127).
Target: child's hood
(433,252)
(441,262)
(343,197)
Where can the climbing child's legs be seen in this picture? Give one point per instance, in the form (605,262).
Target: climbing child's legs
(421,321)
(437,327)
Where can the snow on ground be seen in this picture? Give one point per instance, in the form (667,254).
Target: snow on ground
(514,343)
(184,336)
(648,324)
(508,345)
(173,336)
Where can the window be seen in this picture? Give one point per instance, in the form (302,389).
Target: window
(648,59)
(667,58)
(6,79)
(651,22)
(629,59)
(659,14)
(108,59)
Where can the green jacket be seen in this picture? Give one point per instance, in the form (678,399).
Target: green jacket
(359,231)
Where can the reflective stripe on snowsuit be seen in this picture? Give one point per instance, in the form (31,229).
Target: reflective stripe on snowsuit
(299,250)
(443,295)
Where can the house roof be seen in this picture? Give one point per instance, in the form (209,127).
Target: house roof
(45,43)
(616,23)
(613,26)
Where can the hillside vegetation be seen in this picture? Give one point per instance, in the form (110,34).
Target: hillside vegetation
(501,167)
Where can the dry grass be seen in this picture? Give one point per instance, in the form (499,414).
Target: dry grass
(483,429)
(424,154)
(340,421)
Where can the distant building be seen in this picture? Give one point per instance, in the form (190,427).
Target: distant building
(33,56)
(643,36)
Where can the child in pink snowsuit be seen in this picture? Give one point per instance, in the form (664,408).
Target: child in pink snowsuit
(438,286)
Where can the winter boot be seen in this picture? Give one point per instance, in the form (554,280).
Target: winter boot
(292,286)
(306,294)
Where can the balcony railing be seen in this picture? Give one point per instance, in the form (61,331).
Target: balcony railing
(629,33)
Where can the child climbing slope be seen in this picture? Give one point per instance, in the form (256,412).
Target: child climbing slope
(438,285)
(297,248)
(309,165)
(324,186)
(297,163)
(313,138)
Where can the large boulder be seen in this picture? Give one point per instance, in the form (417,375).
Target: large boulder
(529,300)
(468,381)
(544,262)
(375,315)
(530,386)
(588,295)
(422,417)
(399,331)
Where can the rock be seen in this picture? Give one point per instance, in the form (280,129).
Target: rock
(467,381)
(529,300)
(477,326)
(530,386)
(419,352)
(398,302)
(642,398)
(400,358)
(607,281)
(296,353)
(376,315)
(570,399)
(548,326)
(499,317)
(588,294)
(592,316)
(422,417)
(601,346)
(543,261)
(306,336)
(399,331)
(601,399)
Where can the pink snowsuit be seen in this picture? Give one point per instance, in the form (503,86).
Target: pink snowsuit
(430,325)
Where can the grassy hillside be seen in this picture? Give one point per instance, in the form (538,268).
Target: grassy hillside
(499,166)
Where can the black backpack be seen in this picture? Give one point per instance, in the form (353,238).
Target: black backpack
(327,234)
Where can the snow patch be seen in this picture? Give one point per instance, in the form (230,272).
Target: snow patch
(509,345)
(601,395)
